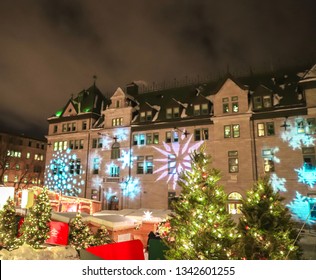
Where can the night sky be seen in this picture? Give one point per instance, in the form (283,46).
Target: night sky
(51,49)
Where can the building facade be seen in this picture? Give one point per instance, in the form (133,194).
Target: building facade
(22,161)
(128,151)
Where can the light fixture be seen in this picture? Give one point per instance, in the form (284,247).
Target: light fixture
(184,131)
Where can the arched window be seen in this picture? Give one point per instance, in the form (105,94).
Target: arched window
(115,152)
(234,203)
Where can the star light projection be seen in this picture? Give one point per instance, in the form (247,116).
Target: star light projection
(307,176)
(176,159)
(64,173)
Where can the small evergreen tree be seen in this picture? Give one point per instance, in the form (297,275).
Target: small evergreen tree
(8,226)
(266,226)
(35,229)
(80,236)
(201,227)
(102,236)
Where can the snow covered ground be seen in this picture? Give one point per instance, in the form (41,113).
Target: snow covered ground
(26,252)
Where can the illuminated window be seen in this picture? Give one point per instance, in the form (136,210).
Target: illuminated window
(204,109)
(235,106)
(140,165)
(312,205)
(268,163)
(201,134)
(139,139)
(168,113)
(261,129)
(96,165)
(233,164)
(234,203)
(142,117)
(172,112)
(171,164)
(149,165)
(227,131)
(200,109)
(115,151)
(149,116)
(17,166)
(117,121)
(65,145)
(5,178)
(196,110)
(7,165)
(16,179)
(176,112)
(149,138)
(300,126)
(236,132)
(168,137)
(28,155)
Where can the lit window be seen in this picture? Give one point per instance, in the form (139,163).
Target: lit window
(148,115)
(142,116)
(236,132)
(227,131)
(311,126)
(65,145)
(149,165)
(233,164)
(257,102)
(234,203)
(168,137)
(300,126)
(196,110)
(268,163)
(96,165)
(17,166)
(235,106)
(267,101)
(114,171)
(117,121)
(141,139)
(200,134)
(176,112)
(156,138)
(261,130)
(149,138)
(204,109)
(5,178)
(168,113)
(140,165)
(308,157)
(28,155)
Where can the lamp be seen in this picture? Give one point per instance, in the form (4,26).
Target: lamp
(184,131)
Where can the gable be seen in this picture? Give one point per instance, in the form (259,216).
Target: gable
(69,110)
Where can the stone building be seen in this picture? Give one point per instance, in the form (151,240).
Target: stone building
(22,161)
(127,151)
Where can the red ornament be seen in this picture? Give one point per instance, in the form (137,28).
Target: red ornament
(204,175)
(247,228)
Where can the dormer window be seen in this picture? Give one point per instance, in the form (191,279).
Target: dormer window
(267,101)
(225,105)
(117,104)
(235,106)
(173,113)
(146,116)
(257,102)
(200,109)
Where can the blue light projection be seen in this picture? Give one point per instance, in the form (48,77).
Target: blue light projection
(181,160)
(109,194)
(130,188)
(307,175)
(122,134)
(301,208)
(296,140)
(127,159)
(64,174)
(277,183)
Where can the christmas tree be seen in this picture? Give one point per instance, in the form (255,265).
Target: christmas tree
(201,227)
(102,236)
(35,229)
(8,226)
(80,236)
(266,226)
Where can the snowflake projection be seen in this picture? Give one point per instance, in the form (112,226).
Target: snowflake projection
(109,194)
(121,134)
(130,188)
(296,140)
(127,159)
(301,207)
(307,175)
(177,158)
(64,173)
(277,183)
(106,142)
(96,182)
(274,157)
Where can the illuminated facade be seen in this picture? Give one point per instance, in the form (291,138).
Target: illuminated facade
(129,150)
(22,161)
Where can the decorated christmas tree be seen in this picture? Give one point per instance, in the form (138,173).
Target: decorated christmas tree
(102,237)
(201,227)
(35,229)
(266,226)
(80,236)
(8,226)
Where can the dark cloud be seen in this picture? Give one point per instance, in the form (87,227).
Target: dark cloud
(51,49)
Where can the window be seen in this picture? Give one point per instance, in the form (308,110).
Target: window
(308,157)
(235,106)
(204,109)
(17,166)
(78,166)
(96,165)
(156,138)
(80,144)
(140,165)
(84,125)
(233,164)
(200,109)
(168,137)
(311,126)
(300,126)
(149,165)
(64,127)
(264,129)
(173,113)
(196,110)
(28,155)
(172,136)
(149,138)
(114,171)
(145,116)
(5,178)
(268,163)
(115,152)
(267,103)
(236,130)
(139,139)
(55,129)
(16,179)
(117,104)
(97,143)
(234,203)
(201,134)
(71,144)
(225,105)
(312,205)
(117,121)
(257,102)
(7,165)
(171,164)
(37,169)
(227,131)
